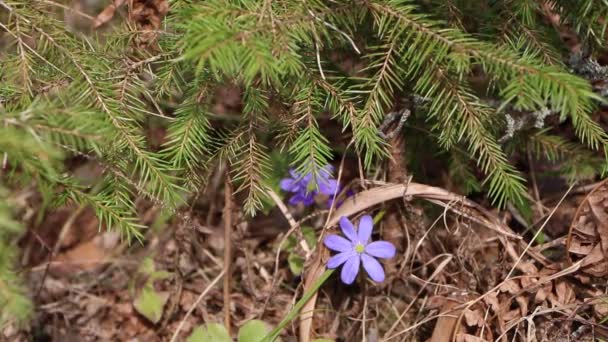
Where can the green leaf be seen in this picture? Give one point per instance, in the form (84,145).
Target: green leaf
(148,268)
(253,331)
(199,334)
(212,332)
(309,236)
(296,263)
(217,333)
(150,303)
(323,340)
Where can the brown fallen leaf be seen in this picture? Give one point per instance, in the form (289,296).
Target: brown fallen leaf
(596,202)
(468,338)
(148,16)
(584,226)
(492,300)
(565,293)
(588,234)
(511,315)
(86,256)
(446,323)
(474,317)
(107,14)
(543,292)
(577,247)
(600,304)
(463,206)
(595,263)
(511,286)
(523,305)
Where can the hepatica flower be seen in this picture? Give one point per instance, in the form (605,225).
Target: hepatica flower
(304,189)
(357,249)
(299,186)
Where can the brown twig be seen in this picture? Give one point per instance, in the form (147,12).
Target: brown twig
(227,245)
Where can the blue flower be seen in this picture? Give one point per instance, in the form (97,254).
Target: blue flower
(299,186)
(327,185)
(357,249)
(303,188)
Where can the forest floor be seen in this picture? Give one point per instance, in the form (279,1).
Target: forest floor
(451,274)
(462,273)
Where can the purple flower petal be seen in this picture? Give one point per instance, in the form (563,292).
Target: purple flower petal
(348,229)
(366,225)
(300,183)
(328,186)
(309,198)
(304,198)
(341,258)
(338,243)
(295,199)
(373,268)
(381,249)
(306,179)
(288,184)
(350,269)
(294,174)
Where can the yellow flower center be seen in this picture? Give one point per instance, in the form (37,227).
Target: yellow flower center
(359,248)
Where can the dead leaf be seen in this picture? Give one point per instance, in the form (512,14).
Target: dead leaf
(600,305)
(601,217)
(589,236)
(468,338)
(511,315)
(148,16)
(374,196)
(585,227)
(523,304)
(107,14)
(595,263)
(474,317)
(492,300)
(445,323)
(86,256)
(511,286)
(543,292)
(577,247)
(565,293)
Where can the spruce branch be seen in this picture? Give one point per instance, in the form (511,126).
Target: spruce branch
(461,114)
(188,140)
(310,150)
